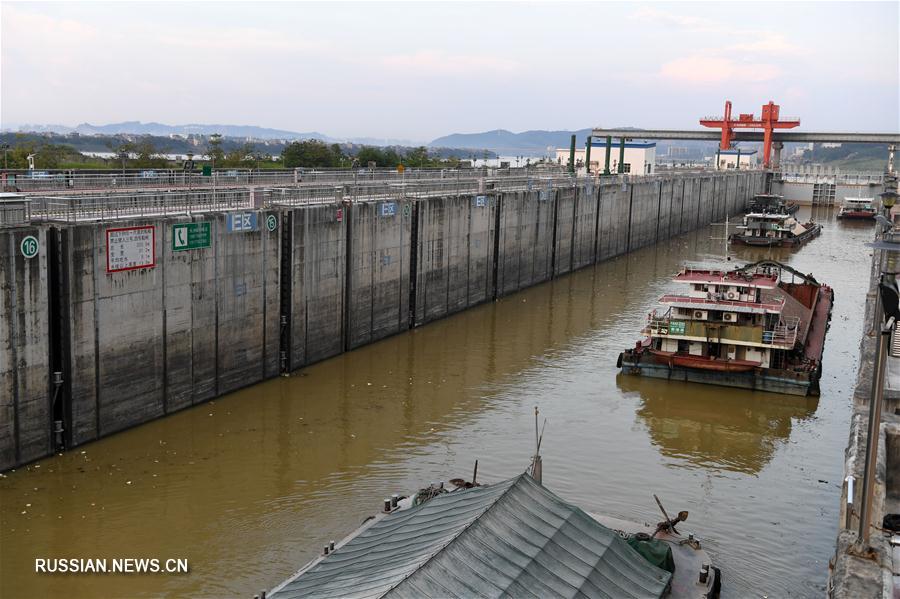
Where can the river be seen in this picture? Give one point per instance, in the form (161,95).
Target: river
(249,487)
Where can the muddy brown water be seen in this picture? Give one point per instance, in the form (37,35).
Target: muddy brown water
(249,487)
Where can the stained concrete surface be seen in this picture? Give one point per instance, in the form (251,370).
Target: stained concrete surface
(139,344)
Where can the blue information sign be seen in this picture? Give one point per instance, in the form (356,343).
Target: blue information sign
(241,222)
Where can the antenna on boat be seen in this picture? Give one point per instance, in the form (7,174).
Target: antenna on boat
(536,464)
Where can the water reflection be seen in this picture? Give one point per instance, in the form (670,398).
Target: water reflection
(716,428)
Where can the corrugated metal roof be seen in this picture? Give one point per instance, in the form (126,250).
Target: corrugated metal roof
(513,538)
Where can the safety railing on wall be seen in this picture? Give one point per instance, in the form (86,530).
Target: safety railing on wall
(144,203)
(71,181)
(137,205)
(829,175)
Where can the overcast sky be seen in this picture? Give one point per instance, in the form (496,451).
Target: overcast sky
(417,71)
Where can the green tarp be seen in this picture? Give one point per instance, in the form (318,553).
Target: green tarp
(654,551)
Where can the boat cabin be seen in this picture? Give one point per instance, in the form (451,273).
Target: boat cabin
(770,225)
(724,315)
(857,208)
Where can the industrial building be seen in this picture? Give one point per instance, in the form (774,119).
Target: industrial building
(730,159)
(639,157)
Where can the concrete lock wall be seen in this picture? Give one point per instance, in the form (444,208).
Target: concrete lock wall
(318,237)
(615,208)
(690,204)
(378,270)
(564,232)
(525,239)
(150,341)
(25,417)
(136,345)
(585,227)
(644,202)
(454,255)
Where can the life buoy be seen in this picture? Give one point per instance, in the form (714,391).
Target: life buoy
(731,295)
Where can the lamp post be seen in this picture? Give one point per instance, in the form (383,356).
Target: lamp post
(888,199)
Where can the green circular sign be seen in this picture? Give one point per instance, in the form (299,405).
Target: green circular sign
(30,246)
(271,222)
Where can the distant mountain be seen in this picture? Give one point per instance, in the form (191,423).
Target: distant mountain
(535,143)
(38,128)
(378,141)
(163,130)
(139,128)
(237,131)
(532,143)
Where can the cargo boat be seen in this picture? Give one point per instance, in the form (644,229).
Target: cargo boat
(512,538)
(766,229)
(744,328)
(857,209)
(767,202)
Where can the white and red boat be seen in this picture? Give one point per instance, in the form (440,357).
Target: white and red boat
(748,327)
(857,209)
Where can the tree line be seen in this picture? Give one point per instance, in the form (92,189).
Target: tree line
(142,152)
(313,153)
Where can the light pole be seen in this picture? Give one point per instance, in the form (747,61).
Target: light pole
(5,160)
(888,199)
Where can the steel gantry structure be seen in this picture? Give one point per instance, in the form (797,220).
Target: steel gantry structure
(734,130)
(768,122)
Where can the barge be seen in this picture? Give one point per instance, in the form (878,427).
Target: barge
(772,203)
(857,209)
(512,538)
(765,229)
(747,328)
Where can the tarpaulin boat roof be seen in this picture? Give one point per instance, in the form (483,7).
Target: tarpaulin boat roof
(510,539)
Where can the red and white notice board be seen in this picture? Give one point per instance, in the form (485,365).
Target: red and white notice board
(130,248)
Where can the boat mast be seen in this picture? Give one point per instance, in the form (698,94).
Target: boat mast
(724,238)
(536,463)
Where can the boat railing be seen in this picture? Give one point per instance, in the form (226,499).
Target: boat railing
(773,305)
(785,333)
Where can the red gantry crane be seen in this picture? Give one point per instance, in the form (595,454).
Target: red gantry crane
(768,122)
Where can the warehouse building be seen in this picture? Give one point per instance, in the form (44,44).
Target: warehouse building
(639,157)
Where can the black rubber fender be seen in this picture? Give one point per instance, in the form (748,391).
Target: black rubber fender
(717,584)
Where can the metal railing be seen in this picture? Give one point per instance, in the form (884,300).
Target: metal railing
(784,334)
(774,305)
(78,181)
(13,213)
(170,179)
(829,175)
(119,204)
(136,205)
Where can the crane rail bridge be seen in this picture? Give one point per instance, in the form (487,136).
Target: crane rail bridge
(779,138)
